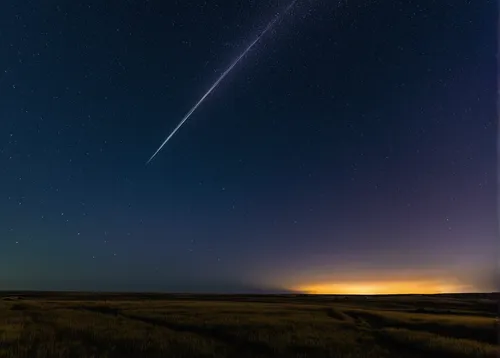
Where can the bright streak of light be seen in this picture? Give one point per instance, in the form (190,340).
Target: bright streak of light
(186,117)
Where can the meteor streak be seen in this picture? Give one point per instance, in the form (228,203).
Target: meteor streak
(268,27)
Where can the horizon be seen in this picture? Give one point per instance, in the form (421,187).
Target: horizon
(241,293)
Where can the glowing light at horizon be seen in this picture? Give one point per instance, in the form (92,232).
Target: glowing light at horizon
(386,287)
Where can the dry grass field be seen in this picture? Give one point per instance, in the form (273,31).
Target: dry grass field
(77,325)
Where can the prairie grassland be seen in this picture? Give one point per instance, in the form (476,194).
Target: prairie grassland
(79,325)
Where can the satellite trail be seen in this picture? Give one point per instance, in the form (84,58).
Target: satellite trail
(238,59)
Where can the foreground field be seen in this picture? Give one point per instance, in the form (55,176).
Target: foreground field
(80,325)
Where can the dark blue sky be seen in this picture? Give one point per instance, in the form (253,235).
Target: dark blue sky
(355,143)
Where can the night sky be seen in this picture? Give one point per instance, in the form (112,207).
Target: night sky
(353,149)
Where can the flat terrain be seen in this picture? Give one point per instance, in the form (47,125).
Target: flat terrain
(77,325)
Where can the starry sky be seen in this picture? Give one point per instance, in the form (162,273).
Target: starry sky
(353,149)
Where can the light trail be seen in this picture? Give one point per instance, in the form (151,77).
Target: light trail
(191,111)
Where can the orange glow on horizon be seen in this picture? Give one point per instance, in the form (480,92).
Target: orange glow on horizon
(385,287)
